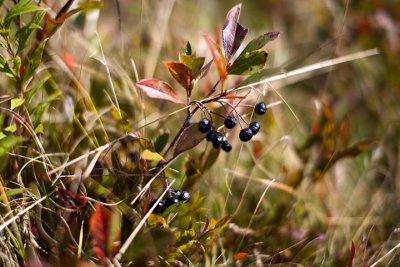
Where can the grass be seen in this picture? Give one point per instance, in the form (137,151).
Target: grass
(80,142)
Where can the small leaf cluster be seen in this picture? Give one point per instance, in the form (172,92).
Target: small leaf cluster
(189,69)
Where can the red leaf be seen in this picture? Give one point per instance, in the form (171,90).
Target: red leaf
(229,30)
(158,89)
(105,228)
(240,255)
(352,254)
(180,72)
(98,224)
(219,59)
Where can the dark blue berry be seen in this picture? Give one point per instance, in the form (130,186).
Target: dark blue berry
(226,146)
(217,140)
(210,135)
(204,126)
(230,122)
(254,127)
(185,196)
(160,208)
(245,135)
(171,201)
(260,108)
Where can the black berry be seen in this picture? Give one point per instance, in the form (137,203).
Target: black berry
(185,196)
(171,201)
(160,208)
(226,146)
(230,122)
(245,135)
(260,108)
(254,127)
(217,140)
(204,126)
(210,135)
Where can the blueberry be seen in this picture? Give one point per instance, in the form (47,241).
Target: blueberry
(204,126)
(260,108)
(230,122)
(226,146)
(217,140)
(171,201)
(210,135)
(160,208)
(254,127)
(245,135)
(185,196)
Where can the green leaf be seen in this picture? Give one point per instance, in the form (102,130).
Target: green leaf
(21,8)
(185,51)
(11,128)
(260,42)
(16,102)
(248,63)
(7,143)
(37,85)
(4,67)
(34,60)
(38,113)
(2,135)
(39,129)
(13,192)
(24,33)
(161,142)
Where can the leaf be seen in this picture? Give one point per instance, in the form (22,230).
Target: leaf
(240,256)
(11,128)
(240,34)
(158,89)
(260,41)
(24,33)
(180,72)
(352,254)
(13,192)
(16,102)
(197,63)
(189,138)
(105,228)
(194,64)
(155,219)
(153,156)
(161,142)
(34,60)
(39,129)
(7,143)
(229,30)
(219,59)
(185,51)
(21,8)
(203,72)
(249,63)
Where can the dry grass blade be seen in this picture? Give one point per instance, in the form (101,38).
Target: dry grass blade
(22,212)
(313,67)
(130,239)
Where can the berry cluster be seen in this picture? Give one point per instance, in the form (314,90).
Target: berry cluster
(175,197)
(217,138)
